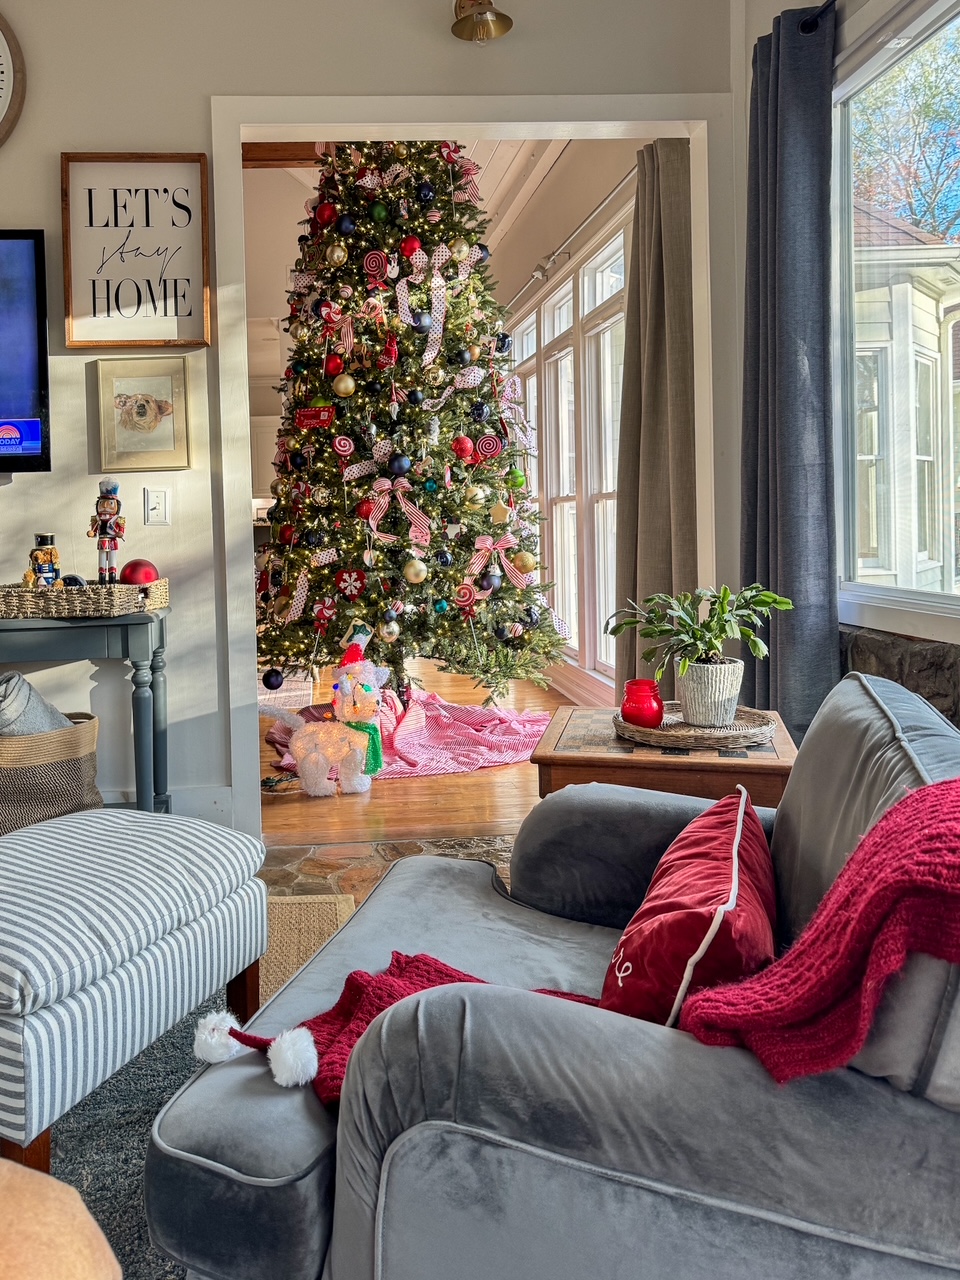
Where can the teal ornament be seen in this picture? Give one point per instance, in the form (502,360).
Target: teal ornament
(430,486)
(441,606)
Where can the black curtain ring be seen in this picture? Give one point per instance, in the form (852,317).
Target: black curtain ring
(807,26)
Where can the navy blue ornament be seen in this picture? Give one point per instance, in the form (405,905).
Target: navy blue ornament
(264,596)
(532,617)
(463,357)
(75,580)
(271,512)
(374,388)
(272,679)
(399,464)
(422,321)
(298,460)
(415,397)
(501,632)
(484,252)
(276,578)
(479,411)
(426,193)
(345,225)
(390,615)
(311,538)
(489,581)
(444,559)
(504,343)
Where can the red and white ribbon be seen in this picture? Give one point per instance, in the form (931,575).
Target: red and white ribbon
(374,180)
(466,379)
(357,470)
(383,490)
(484,549)
(511,412)
(299,598)
(469,172)
(337,323)
(419,264)
(327,556)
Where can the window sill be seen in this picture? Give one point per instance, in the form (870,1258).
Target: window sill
(585,688)
(924,615)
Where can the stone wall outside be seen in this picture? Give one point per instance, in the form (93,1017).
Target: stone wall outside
(927,667)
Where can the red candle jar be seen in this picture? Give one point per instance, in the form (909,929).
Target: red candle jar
(642,704)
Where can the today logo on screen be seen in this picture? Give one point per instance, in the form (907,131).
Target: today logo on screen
(20,436)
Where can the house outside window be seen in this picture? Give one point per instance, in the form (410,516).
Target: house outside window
(898,224)
(568,351)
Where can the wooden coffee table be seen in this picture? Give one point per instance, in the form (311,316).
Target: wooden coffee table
(580,745)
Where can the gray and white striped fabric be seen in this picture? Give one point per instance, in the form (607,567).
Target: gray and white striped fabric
(55,1056)
(83,894)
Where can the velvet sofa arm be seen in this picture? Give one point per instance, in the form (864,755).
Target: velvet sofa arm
(588,852)
(628,1100)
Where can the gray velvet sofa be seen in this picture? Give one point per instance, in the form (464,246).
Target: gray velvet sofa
(488,1133)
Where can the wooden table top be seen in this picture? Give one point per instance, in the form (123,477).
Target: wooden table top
(586,734)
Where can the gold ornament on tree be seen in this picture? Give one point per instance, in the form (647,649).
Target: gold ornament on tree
(524,562)
(344,385)
(415,571)
(337,254)
(434,375)
(476,497)
(459,249)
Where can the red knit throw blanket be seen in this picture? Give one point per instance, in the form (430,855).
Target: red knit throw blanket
(364,995)
(812,1009)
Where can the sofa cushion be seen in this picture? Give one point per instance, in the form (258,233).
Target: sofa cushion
(239,1168)
(871,743)
(85,893)
(707,917)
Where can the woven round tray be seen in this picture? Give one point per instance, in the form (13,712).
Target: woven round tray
(749,729)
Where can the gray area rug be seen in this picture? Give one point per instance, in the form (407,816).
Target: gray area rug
(99,1147)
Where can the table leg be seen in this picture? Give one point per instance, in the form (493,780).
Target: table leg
(159,687)
(143,732)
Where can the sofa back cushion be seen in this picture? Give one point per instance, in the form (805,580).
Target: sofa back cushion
(871,743)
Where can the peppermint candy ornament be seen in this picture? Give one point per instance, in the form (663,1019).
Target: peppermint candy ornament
(488,446)
(376,265)
(465,596)
(343,446)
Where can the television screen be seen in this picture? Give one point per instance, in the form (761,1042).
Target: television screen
(24,384)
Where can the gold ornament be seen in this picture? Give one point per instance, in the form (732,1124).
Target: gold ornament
(344,385)
(337,254)
(476,497)
(277,487)
(524,562)
(475,350)
(401,150)
(434,375)
(414,571)
(500,512)
(322,495)
(389,631)
(459,249)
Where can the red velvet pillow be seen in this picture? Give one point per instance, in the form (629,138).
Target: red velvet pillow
(707,918)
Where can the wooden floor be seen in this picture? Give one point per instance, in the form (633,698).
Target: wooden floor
(489,802)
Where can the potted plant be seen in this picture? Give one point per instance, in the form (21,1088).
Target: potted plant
(692,628)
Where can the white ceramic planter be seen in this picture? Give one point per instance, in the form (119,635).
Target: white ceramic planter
(708,692)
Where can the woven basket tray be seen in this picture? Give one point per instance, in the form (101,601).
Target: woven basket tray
(82,602)
(749,729)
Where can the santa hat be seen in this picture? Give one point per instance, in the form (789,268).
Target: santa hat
(353,654)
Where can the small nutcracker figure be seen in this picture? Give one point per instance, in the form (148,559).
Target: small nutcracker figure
(108,527)
(44,568)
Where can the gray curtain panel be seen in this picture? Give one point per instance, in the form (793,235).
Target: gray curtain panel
(656,473)
(788,536)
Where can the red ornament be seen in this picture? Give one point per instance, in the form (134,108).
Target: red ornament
(409,245)
(287,533)
(350,582)
(324,214)
(642,704)
(137,573)
(288,372)
(333,365)
(364,508)
(462,446)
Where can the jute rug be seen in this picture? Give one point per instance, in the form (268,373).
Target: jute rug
(99,1147)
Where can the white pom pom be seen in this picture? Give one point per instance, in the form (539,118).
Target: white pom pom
(293,1057)
(213,1041)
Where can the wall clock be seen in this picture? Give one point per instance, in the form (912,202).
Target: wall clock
(13,80)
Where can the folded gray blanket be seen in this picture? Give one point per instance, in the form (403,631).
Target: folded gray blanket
(23,710)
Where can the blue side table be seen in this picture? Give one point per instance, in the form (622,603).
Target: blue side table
(137,638)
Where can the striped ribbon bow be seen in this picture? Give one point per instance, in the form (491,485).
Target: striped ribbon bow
(336,322)
(374,180)
(485,547)
(383,490)
(469,377)
(469,172)
(511,411)
(419,265)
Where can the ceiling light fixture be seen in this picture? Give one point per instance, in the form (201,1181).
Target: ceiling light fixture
(479,21)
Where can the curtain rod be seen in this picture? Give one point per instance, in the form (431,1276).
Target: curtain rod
(807,26)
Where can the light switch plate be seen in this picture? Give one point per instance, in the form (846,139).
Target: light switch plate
(156,506)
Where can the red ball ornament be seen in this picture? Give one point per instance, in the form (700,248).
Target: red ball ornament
(409,245)
(333,365)
(137,573)
(325,213)
(364,508)
(287,533)
(462,446)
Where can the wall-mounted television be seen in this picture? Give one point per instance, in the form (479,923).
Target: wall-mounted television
(24,377)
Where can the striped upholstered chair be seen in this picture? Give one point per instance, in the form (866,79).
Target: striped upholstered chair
(113,926)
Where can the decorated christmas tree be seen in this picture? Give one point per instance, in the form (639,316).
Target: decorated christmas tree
(402,517)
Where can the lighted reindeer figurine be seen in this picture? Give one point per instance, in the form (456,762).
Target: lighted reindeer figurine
(351,741)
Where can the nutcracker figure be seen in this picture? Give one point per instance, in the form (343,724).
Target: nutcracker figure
(108,527)
(44,568)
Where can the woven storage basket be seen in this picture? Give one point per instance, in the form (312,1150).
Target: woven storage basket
(82,602)
(45,775)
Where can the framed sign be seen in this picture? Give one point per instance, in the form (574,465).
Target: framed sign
(143,415)
(135,250)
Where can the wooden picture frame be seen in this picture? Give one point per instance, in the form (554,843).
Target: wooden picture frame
(143,414)
(136,249)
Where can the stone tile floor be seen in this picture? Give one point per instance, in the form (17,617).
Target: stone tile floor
(356,868)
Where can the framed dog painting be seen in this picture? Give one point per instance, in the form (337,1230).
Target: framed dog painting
(143,415)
